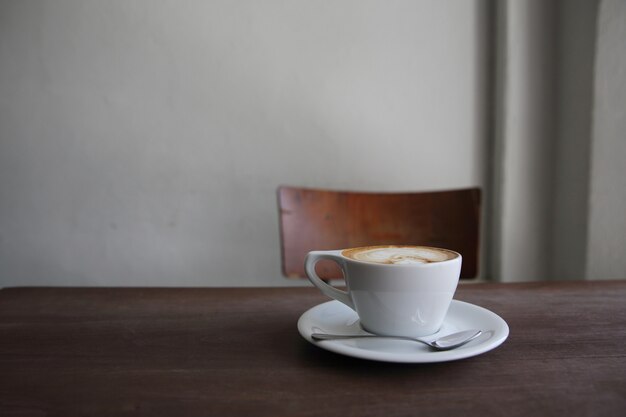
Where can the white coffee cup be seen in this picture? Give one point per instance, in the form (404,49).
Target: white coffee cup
(394,294)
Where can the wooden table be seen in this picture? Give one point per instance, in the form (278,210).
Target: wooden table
(236,352)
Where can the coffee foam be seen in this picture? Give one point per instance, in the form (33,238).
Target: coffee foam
(399,255)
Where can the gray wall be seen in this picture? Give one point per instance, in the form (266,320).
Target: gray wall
(141,142)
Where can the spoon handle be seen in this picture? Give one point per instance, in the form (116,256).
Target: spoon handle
(448,342)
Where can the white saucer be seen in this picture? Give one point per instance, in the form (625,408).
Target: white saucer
(336,318)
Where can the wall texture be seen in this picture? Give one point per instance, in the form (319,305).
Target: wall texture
(141,142)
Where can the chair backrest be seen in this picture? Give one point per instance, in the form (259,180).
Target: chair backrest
(313,219)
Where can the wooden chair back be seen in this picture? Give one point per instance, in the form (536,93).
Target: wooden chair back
(312,219)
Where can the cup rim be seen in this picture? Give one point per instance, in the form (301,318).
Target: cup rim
(457,256)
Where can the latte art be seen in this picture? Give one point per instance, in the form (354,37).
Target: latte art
(399,255)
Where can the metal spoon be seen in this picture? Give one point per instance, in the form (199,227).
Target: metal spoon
(448,342)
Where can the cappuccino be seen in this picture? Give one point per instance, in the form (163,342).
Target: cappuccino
(399,255)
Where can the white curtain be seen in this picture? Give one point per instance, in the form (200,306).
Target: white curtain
(559,182)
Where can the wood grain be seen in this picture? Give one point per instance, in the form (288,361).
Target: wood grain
(236,352)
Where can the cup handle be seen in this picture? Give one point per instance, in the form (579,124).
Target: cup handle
(332,292)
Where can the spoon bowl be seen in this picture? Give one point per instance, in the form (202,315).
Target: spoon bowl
(447,342)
